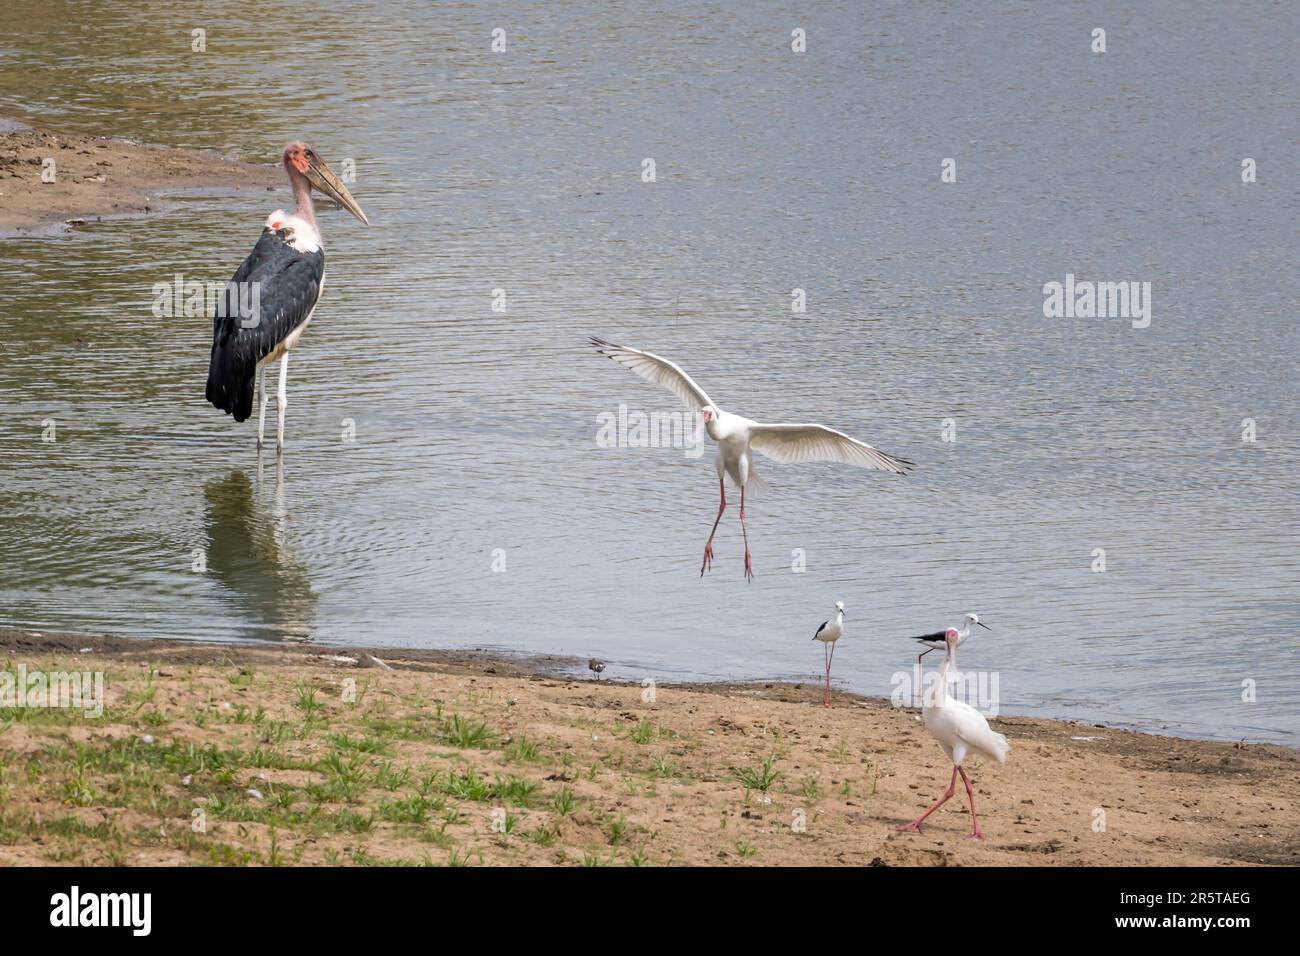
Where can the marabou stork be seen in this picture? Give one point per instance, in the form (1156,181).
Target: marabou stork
(271,298)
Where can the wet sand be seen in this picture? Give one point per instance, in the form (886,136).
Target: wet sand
(100,178)
(300,754)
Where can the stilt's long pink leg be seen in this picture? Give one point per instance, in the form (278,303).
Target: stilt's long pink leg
(970,795)
(952,788)
(749,568)
(708,546)
(828,675)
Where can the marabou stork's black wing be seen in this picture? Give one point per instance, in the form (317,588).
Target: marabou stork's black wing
(284,284)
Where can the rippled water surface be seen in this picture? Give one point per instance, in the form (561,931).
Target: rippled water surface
(476,430)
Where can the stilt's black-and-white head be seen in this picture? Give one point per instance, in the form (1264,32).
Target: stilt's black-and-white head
(974,618)
(839,608)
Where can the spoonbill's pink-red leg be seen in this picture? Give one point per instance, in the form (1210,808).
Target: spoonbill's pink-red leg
(952,788)
(970,795)
(722,506)
(749,568)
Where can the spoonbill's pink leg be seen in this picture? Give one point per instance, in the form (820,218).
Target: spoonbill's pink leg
(708,545)
(749,567)
(970,795)
(952,788)
(827,700)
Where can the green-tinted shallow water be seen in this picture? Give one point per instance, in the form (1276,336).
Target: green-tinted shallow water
(476,430)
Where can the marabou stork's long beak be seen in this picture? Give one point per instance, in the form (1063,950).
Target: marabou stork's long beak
(322,177)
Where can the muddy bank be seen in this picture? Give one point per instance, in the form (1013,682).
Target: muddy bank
(301,754)
(95,177)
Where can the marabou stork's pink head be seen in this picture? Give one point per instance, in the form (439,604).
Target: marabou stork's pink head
(301,161)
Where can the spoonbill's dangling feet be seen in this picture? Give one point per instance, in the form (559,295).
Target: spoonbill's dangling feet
(708,545)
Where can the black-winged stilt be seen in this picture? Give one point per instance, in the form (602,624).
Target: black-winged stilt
(830,632)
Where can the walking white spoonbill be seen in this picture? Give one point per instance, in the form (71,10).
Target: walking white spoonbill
(961,730)
(738,437)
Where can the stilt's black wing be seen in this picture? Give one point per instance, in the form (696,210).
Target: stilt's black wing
(269,296)
(938,637)
(820,629)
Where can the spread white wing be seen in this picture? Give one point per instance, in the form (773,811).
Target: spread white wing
(657,371)
(790,444)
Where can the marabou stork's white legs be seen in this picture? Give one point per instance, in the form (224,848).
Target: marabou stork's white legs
(282,402)
(261,413)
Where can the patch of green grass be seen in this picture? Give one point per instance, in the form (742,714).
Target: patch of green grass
(663,767)
(306,700)
(543,836)
(467,733)
(618,829)
(412,809)
(469,785)
(643,732)
(757,778)
(565,802)
(349,821)
(455,858)
(522,750)
(515,790)
(386,778)
(362,745)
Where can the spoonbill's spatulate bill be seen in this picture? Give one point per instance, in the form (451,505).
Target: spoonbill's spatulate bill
(938,640)
(961,730)
(830,632)
(737,437)
(272,296)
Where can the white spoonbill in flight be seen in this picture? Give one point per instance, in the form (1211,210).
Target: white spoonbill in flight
(961,730)
(938,640)
(829,633)
(272,296)
(738,437)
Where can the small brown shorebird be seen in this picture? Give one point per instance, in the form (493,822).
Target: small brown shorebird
(595,666)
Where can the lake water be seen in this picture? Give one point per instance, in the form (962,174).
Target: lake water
(476,430)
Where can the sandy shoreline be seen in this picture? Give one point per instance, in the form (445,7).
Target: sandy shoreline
(440,750)
(101,178)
